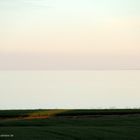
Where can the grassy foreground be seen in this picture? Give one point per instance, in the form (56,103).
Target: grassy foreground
(111,124)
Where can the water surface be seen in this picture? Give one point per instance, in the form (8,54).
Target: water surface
(69,89)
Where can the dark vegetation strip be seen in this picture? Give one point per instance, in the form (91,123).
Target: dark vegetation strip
(99,112)
(80,112)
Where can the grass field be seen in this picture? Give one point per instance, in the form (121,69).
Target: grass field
(111,124)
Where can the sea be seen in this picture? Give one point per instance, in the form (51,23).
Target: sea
(97,89)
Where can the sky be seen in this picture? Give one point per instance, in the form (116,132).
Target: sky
(69,34)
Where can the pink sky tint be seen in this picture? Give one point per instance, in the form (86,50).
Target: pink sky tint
(44,61)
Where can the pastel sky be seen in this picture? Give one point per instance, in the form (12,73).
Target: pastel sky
(69,34)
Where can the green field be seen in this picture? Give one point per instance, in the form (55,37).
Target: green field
(111,124)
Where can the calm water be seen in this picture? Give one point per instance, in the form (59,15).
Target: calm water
(69,89)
